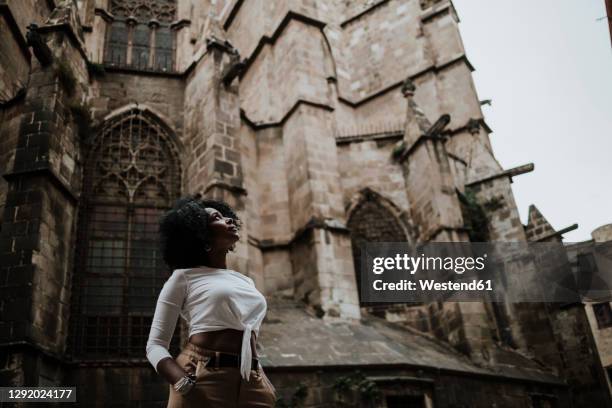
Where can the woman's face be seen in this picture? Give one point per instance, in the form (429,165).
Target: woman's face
(224,230)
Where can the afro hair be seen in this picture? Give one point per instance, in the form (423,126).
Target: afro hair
(184,230)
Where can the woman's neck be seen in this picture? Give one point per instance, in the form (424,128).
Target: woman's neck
(217,259)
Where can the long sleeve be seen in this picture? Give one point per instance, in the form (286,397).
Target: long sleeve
(167,310)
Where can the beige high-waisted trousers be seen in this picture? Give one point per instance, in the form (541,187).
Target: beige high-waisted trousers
(221,387)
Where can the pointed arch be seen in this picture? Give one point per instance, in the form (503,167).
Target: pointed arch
(135,147)
(148,111)
(132,174)
(369,195)
(374,218)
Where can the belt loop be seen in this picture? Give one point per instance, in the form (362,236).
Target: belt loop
(217,358)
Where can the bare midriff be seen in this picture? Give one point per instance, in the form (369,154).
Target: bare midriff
(226,340)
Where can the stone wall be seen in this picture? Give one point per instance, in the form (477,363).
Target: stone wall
(296,144)
(321,388)
(382,48)
(13,77)
(136,386)
(25,12)
(599,339)
(602,337)
(298,56)
(162,94)
(10,119)
(38,223)
(383,175)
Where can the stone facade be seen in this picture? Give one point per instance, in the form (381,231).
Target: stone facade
(597,310)
(325,124)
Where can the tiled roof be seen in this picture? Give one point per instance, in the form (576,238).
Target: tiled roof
(291,337)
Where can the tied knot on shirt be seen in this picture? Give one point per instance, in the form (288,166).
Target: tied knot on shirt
(246,354)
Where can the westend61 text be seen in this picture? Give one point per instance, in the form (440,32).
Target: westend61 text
(430,284)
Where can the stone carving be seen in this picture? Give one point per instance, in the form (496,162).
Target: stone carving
(41,50)
(436,129)
(415,117)
(473,126)
(425,4)
(134,162)
(66,12)
(233,69)
(408,88)
(144,10)
(213,41)
(140,36)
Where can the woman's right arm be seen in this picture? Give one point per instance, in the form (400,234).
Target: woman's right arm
(170,370)
(167,311)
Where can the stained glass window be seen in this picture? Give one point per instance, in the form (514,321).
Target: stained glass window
(140,36)
(132,175)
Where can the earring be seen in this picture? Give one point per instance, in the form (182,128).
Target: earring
(207,248)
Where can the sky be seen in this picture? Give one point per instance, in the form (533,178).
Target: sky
(547,67)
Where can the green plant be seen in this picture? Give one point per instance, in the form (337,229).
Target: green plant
(343,383)
(356,382)
(493,204)
(369,390)
(474,217)
(299,395)
(66,77)
(398,149)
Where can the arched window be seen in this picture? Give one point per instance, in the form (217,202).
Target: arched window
(132,175)
(370,221)
(140,35)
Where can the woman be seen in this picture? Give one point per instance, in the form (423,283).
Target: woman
(219,367)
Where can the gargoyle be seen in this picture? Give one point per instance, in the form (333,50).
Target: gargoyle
(233,69)
(41,50)
(436,129)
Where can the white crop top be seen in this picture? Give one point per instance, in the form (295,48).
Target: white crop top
(208,299)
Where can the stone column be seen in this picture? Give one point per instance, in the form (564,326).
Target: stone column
(212,120)
(38,227)
(436,212)
(321,247)
(429,182)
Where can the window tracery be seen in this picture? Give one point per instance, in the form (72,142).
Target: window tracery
(132,175)
(140,35)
